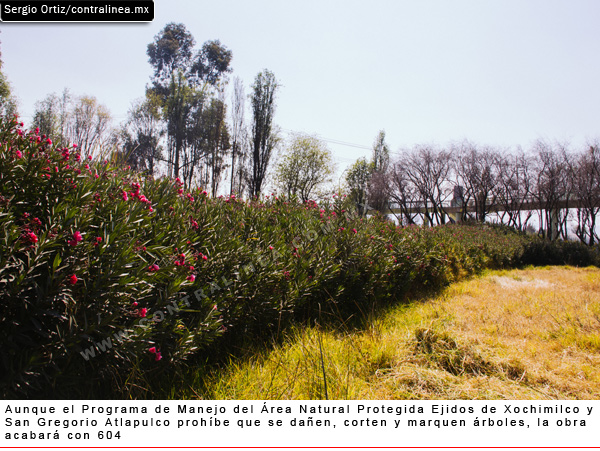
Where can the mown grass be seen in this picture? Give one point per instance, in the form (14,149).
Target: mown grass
(519,334)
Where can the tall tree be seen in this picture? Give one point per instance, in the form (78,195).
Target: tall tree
(306,165)
(358,179)
(142,135)
(89,125)
(552,187)
(586,185)
(8,104)
(380,179)
(264,137)
(80,120)
(381,153)
(476,171)
(210,144)
(180,80)
(237,135)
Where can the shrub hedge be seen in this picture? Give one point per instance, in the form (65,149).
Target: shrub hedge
(110,279)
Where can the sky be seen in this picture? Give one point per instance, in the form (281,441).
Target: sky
(496,72)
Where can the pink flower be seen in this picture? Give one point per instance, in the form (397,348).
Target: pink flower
(124,196)
(156,352)
(19,154)
(143,312)
(76,239)
(49,141)
(191,278)
(32,237)
(73,279)
(135,304)
(37,130)
(354,230)
(153,268)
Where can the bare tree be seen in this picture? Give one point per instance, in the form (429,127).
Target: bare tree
(513,188)
(552,188)
(586,188)
(88,124)
(52,115)
(475,172)
(403,194)
(427,168)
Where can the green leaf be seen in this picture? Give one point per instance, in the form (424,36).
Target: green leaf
(56,263)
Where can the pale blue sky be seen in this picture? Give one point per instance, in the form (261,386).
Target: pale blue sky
(501,73)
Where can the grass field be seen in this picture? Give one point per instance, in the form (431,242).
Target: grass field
(518,334)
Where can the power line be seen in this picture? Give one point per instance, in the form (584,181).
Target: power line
(334,141)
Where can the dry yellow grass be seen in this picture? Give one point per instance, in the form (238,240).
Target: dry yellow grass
(521,334)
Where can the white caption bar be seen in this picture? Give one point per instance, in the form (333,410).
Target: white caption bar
(300,423)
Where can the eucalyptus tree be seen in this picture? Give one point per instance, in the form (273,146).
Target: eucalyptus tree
(181,80)
(209,142)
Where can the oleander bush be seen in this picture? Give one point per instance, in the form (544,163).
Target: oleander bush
(111,280)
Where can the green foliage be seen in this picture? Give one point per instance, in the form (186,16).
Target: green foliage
(112,283)
(540,251)
(264,136)
(180,87)
(8,103)
(306,165)
(358,179)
